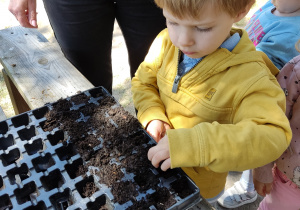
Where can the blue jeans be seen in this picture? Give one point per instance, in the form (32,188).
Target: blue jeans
(84,30)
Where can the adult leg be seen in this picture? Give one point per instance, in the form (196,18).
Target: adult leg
(140,22)
(83,29)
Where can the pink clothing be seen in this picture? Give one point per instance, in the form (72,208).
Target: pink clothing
(284,195)
(289,161)
(289,80)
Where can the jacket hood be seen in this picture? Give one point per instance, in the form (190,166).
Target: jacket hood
(244,52)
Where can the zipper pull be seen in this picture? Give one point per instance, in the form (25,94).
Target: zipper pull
(176,83)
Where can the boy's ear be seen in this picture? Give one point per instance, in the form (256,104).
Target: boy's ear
(244,12)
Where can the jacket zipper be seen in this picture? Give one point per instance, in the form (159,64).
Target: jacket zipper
(178,77)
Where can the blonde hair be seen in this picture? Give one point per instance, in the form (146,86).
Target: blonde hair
(297,45)
(193,8)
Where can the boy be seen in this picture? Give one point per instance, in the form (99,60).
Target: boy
(206,82)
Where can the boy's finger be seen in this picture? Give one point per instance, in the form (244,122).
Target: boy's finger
(166,164)
(158,157)
(150,153)
(153,156)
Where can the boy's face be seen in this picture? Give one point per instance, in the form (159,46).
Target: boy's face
(286,6)
(199,37)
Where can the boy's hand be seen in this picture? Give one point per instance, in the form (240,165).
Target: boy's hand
(157,129)
(262,188)
(160,153)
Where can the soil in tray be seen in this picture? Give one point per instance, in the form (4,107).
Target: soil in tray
(110,139)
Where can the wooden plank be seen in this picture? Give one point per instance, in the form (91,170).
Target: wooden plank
(37,68)
(19,104)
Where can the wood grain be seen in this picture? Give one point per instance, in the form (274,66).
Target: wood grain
(37,68)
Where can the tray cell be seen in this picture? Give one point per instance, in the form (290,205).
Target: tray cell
(6,142)
(34,147)
(53,180)
(40,112)
(42,163)
(22,172)
(40,206)
(62,200)
(27,193)
(56,138)
(5,202)
(3,127)
(27,133)
(74,167)
(102,202)
(87,183)
(10,158)
(66,152)
(19,120)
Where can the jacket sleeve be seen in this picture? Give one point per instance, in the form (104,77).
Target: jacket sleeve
(144,85)
(259,133)
(278,50)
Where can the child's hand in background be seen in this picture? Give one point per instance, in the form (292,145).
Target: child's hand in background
(157,129)
(262,188)
(160,154)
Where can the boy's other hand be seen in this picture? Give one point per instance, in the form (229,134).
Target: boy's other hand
(262,188)
(160,154)
(157,129)
(24,11)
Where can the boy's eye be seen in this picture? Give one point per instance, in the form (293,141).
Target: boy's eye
(171,23)
(203,29)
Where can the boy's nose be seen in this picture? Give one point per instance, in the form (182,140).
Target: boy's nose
(185,39)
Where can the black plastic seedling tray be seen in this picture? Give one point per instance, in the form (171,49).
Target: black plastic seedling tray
(44,165)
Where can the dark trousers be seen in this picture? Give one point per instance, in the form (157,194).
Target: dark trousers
(84,29)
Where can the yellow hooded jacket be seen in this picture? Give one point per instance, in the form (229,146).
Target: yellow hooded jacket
(228,113)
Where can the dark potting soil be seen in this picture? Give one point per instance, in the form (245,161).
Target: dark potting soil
(110,139)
